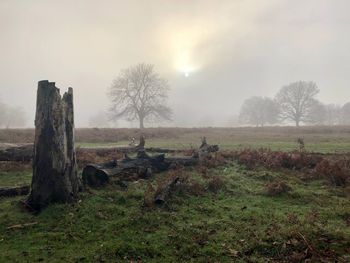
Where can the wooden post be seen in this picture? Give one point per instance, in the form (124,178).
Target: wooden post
(54,164)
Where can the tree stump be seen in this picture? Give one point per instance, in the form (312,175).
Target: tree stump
(71,160)
(54,164)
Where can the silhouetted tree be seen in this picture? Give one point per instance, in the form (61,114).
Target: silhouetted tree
(14,117)
(333,114)
(99,120)
(259,111)
(3,113)
(345,114)
(11,116)
(317,113)
(296,101)
(138,93)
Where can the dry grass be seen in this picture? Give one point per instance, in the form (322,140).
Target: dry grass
(308,133)
(277,187)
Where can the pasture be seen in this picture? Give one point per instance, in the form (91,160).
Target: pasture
(225,212)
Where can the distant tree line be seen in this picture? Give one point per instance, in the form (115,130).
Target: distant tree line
(11,116)
(295,103)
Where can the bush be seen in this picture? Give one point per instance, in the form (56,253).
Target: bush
(337,172)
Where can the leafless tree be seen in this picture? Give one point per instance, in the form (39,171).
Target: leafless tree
(139,93)
(333,114)
(99,120)
(345,114)
(296,100)
(15,117)
(11,116)
(259,111)
(317,113)
(3,114)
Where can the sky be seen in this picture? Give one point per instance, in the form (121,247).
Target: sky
(215,54)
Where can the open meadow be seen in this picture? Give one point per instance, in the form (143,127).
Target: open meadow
(263,197)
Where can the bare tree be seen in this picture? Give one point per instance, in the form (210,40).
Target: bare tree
(15,117)
(3,114)
(99,120)
(11,116)
(296,100)
(139,93)
(333,114)
(259,111)
(317,113)
(345,114)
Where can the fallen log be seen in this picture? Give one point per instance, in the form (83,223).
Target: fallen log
(14,191)
(22,153)
(131,169)
(25,153)
(163,192)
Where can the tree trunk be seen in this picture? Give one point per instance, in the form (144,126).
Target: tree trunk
(54,170)
(141,122)
(24,153)
(71,162)
(142,166)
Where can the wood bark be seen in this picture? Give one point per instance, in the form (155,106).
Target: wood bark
(13,191)
(71,162)
(22,153)
(165,190)
(25,153)
(130,169)
(54,178)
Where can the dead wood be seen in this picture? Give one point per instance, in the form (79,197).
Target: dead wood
(164,191)
(14,191)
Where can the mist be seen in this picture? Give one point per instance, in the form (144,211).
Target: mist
(214,54)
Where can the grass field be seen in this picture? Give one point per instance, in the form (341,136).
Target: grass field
(236,222)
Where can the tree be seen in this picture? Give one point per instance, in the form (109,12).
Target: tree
(55,177)
(333,114)
(259,111)
(138,93)
(14,117)
(11,116)
(296,100)
(3,114)
(317,113)
(345,114)
(99,120)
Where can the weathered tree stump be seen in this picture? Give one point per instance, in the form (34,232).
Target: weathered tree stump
(71,162)
(54,164)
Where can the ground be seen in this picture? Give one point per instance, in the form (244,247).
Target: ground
(237,222)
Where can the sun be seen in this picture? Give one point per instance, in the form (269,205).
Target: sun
(184,64)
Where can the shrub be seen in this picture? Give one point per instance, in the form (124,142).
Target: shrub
(337,172)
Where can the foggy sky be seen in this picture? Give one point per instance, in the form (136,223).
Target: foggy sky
(231,49)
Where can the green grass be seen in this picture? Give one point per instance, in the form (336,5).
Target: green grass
(239,223)
(15,178)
